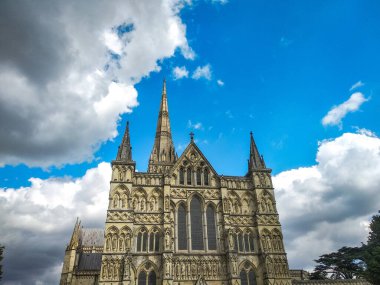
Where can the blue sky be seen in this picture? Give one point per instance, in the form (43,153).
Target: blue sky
(303,76)
(284,66)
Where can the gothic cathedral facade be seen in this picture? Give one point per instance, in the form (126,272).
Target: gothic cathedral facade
(181,223)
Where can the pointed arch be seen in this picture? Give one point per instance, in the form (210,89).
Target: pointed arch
(182,227)
(211,227)
(247,273)
(206,176)
(196,221)
(181,176)
(188,176)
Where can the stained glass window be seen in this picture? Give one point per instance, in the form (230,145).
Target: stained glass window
(196,224)
(142,278)
(211,231)
(182,236)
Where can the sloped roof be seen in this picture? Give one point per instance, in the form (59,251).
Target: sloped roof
(90,261)
(92,237)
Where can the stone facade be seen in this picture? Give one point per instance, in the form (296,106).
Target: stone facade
(183,223)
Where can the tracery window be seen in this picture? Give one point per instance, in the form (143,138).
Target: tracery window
(154,241)
(142,240)
(143,280)
(199,177)
(247,277)
(206,177)
(181,227)
(188,176)
(248,242)
(181,176)
(196,224)
(211,228)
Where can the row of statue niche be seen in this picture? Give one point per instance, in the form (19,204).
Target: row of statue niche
(168,239)
(278,267)
(190,269)
(122,173)
(121,243)
(266,204)
(262,179)
(111,269)
(140,203)
(272,242)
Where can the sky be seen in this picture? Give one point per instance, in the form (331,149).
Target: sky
(303,76)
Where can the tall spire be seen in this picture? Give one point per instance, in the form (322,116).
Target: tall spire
(74,241)
(255,160)
(125,150)
(163,153)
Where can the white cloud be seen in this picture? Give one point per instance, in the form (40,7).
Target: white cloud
(195,126)
(36,222)
(337,113)
(220,82)
(328,205)
(180,72)
(202,72)
(357,85)
(66,80)
(222,2)
(229,114)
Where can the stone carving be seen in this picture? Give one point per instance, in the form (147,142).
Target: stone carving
(191,267)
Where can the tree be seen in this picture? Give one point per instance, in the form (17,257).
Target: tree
(353,262)
(342,264)
(1,258)
(371,252)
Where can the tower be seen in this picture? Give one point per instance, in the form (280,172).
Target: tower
(183,223)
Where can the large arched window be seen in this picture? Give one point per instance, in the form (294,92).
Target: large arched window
(211,228)
(181,227)
(142,278)
(188,176)
(152,278)
(199,177)
(205,178)
(196,224)
(247,277)
(181,176)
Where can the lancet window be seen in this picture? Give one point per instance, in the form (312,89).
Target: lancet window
(206,175)
(188,176)
(211,228)
(147,278)
(181,176)
(196,224)
(199,176)
(182,229)
(142,240)
(247,277)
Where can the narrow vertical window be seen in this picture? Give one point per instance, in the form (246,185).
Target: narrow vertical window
(139,237)
(144,241)
(246,242)
(199,174)
(156,241)
(243,278)
(142,278)
(196,224)
(241,248)
(206,176)
(251,243)
(251,277)
(188,176)
(236,242)
(151,241)
(152,278)
(211,228)
(181,176)
(182,236)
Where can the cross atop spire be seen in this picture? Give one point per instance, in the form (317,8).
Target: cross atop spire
(191,136)
(125,150)
(255,160)
(163,153)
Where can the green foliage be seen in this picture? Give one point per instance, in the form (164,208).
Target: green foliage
(353,262)
(1,258)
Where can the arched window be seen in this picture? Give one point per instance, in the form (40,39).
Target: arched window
(142,240)
(251,243)
(154,241)
(246,242)
(206,176)
(196,224)
(181,176)
(247,277)
(181,228)
(199,174)
(241,246)
(188,176)
(152,278)
(211,229)
(142,278)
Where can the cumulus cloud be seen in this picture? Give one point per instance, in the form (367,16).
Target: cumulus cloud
(337,113)
(326,206)
(36,222)
(68,71)
(202,72)
(220,82)
(180,72)
(357,85)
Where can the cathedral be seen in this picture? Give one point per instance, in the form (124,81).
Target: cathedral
(181,222)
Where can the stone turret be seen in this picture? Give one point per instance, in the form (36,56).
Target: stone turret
(125,150)
(163,154)
(255,162)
